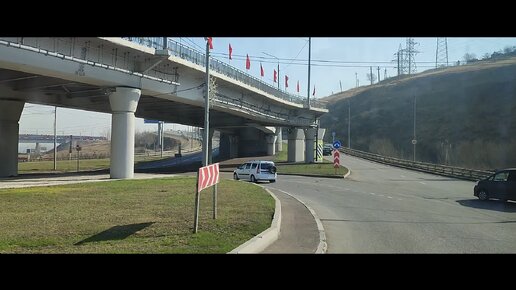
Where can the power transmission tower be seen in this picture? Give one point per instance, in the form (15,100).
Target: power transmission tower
(410,56)
(356,80)
(441,52)
(378,74)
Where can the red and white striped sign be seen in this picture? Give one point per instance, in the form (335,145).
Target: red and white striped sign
(336,158)
(208,176)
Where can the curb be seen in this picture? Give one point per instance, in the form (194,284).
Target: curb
(323,246)
(347,174)
(313,175)
(264,239)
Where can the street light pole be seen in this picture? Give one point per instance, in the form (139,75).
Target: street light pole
(278,67)
(309,56)
(414,141)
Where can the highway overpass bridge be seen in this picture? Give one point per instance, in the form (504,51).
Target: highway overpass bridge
(143,77)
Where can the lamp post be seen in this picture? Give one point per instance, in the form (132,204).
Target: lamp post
(278,67)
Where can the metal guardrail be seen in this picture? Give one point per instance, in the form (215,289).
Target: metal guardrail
(451,171)
(194,56)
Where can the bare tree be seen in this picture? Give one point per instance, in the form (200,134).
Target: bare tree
(469,57)
(371,77)
(486,56)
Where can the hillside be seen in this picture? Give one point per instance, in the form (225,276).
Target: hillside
(466,115)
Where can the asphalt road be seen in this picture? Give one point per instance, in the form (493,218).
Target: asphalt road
(383,209)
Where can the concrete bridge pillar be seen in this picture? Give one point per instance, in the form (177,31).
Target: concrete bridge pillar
(271,144)
(10,112)
(310,144)
(296,145)
(233,146)
(124,102)
(279,139)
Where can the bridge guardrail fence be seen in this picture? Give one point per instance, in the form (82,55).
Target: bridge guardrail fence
(445,170)
(189,54)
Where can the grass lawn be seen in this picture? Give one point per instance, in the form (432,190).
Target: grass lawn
(131,216)
(71,165)
(314,168)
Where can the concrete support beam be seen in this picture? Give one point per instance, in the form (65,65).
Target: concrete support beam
(279,139)
(271,144)
(124,102)
(10,112)
(228,146)
(310,144)
(296,145)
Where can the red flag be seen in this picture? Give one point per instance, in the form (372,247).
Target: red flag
(230,51)
(298,86)
(313,94)
(275,75)
(286,81)
(262,73)
(210,42)
(248,63)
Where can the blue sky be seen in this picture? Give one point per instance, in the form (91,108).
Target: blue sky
(335,60)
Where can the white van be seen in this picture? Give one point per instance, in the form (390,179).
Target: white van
(255,170)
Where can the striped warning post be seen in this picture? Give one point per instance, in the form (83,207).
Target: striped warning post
(336,158)
(320,151)
(208,176)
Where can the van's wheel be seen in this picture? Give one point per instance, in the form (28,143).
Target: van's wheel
(482,195)
(273,169)
(235,176)
(272,180)
(253,179)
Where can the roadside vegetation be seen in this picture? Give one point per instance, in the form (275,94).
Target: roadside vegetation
(131,216)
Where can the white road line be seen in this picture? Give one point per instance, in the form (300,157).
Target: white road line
(372,193)
(422,182)
(389,196)
(399,199)
(403,176)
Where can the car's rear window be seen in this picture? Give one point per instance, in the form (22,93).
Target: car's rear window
(266,166)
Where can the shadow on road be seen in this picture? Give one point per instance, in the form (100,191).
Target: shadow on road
(115,233)
(496,205)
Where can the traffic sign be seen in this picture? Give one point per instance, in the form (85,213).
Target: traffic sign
(208,176)
(336,158)
(414,141)
(149,121)
(336,144)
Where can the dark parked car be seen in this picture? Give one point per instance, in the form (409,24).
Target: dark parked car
(327,150)
(501,185)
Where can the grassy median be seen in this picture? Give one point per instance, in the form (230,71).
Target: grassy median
(130,216)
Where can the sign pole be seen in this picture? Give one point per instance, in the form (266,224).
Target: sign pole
(197,201)
(215,202)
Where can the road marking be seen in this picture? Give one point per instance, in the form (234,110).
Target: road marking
(389,196)
(399,199)
(422,182)
(372,193)
(403,176)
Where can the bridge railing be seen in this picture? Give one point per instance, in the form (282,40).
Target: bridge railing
(194,56)
(451,171)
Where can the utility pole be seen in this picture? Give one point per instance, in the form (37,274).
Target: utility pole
(55,138)
(356,80)
(378,74)
(309,59)
(340,82)
(385,74)
(371,74)
(349,124)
